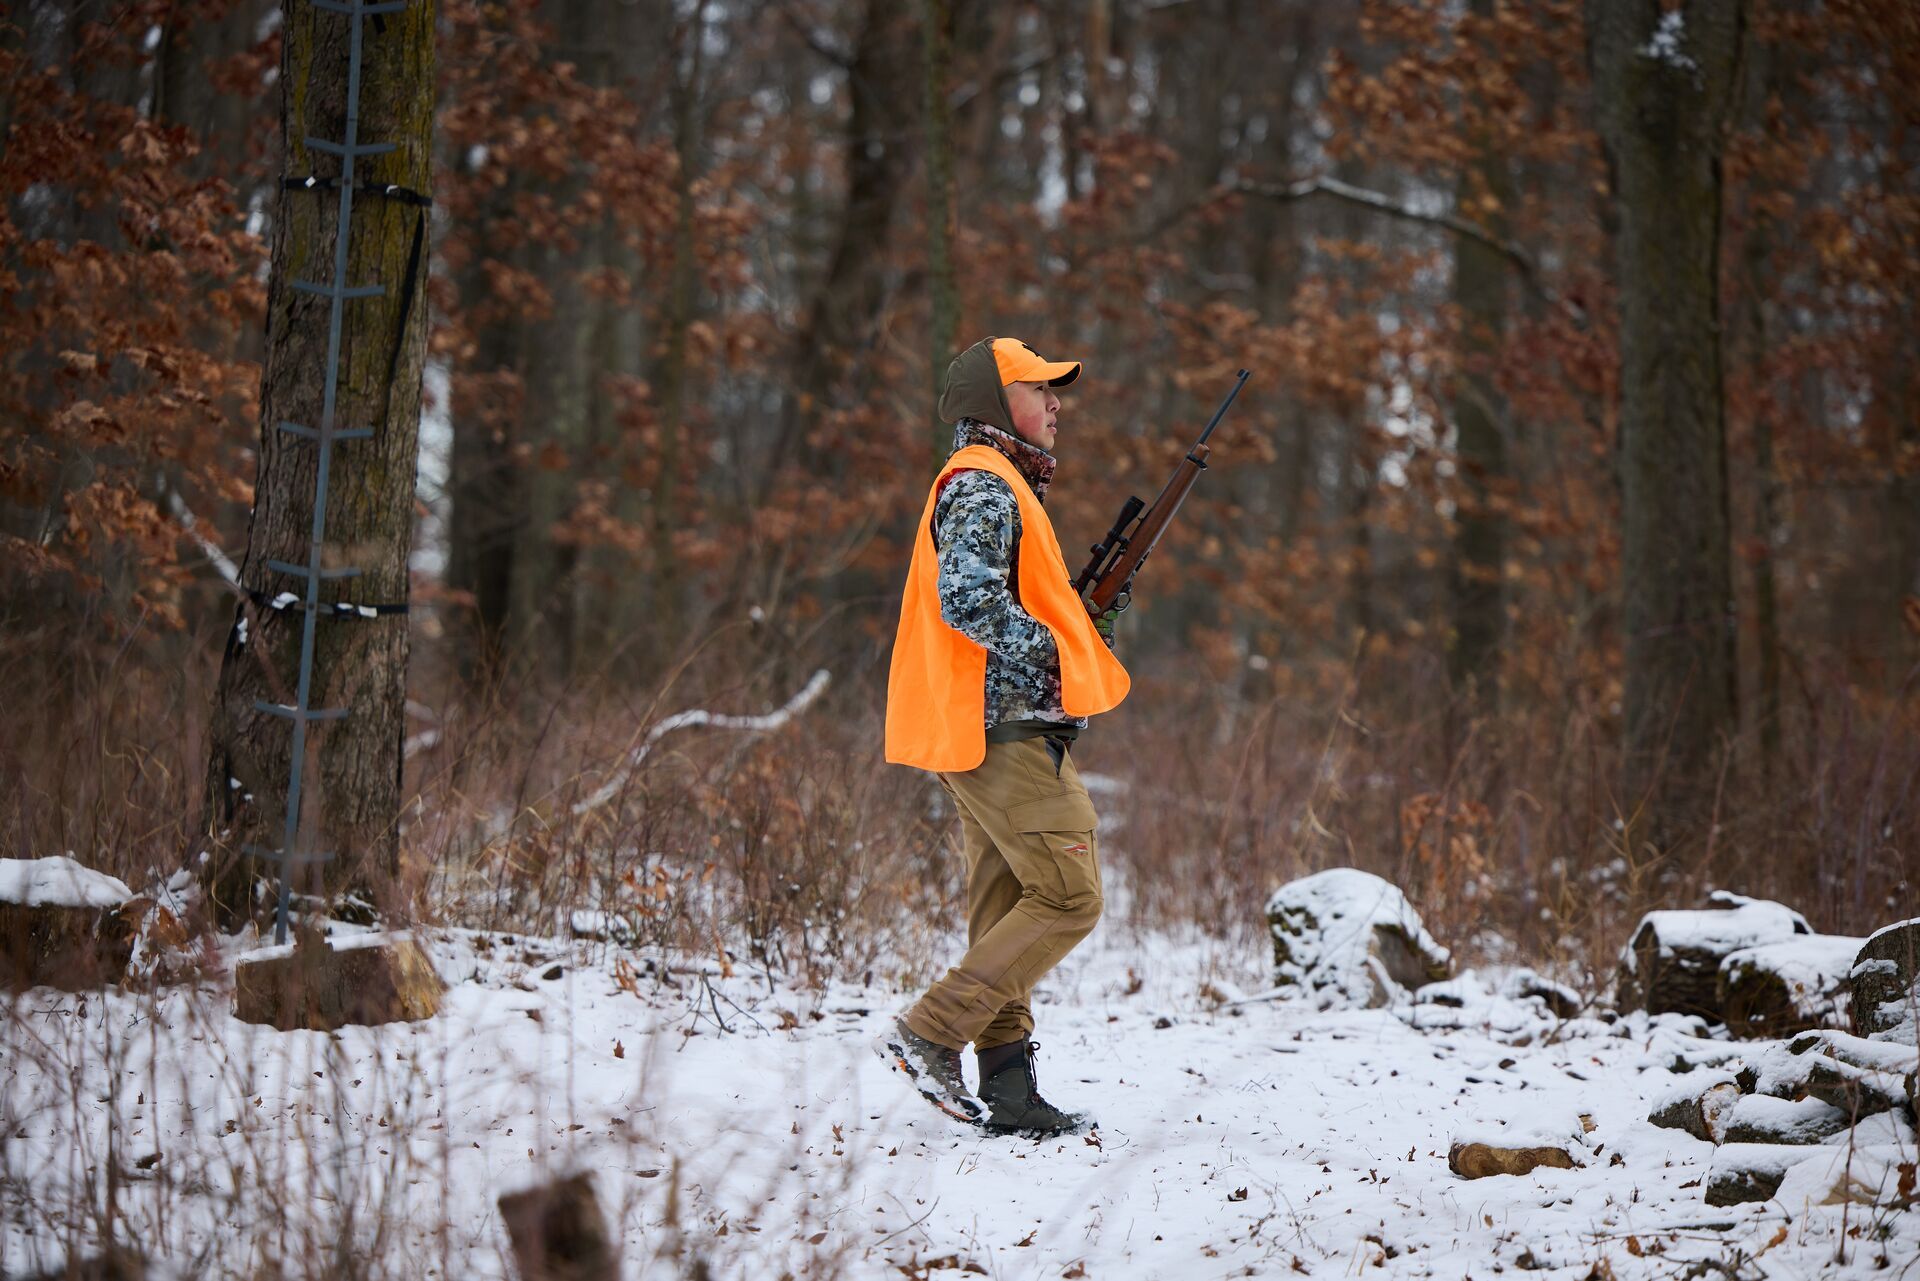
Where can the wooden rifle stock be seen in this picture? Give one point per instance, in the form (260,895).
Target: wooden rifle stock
(1107,581)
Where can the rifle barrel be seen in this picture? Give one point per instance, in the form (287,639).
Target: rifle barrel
(1221,412)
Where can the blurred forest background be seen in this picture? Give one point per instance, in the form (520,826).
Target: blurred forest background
(1561,559)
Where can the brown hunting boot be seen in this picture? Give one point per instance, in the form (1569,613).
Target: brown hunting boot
(1010,1088)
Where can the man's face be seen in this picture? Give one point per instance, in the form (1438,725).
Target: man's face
(1035,411)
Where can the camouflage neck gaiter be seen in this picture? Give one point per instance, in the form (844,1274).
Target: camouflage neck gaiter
(1035,464)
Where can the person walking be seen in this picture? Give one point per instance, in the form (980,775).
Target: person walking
(996,668)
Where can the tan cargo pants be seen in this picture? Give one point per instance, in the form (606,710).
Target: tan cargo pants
(1033,891)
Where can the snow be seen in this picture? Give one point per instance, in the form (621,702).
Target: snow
(742,1119)
(1910,923)
(58,881)
(1751,923)
(1865,1174)
(1787,1120)
(1667,44)
(1328,921)
(1814,968)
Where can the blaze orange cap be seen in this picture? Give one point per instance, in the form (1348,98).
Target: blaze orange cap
(1019,363)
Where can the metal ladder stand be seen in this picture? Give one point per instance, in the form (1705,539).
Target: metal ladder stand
(287,856)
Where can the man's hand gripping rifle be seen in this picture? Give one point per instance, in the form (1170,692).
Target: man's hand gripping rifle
(1106,584)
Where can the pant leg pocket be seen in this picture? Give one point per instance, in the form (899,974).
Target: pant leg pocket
(1059,829)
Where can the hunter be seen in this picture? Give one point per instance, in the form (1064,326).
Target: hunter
(996,667)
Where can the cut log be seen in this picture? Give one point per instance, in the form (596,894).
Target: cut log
(1778,989)
(558,1233)
(1671,965)
(369,980)
(64,925)
(1480,1160)
(1700,1109)
(1856,1075)
(1886,979)
(1761,1118)
(1744,1172)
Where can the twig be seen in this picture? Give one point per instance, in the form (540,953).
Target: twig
(682,720)
(217,558)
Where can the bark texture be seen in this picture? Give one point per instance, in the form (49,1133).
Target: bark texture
(1664,84)
(1480,446)
(351,793)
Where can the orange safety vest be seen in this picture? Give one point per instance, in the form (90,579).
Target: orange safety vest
(937,685)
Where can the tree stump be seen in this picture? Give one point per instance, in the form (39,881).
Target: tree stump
(1884,978)
(1671,965)
(1778,989)
(368,980)
(64,925)
(558,1233)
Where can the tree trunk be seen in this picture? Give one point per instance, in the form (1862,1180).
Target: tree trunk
(884,85)
(942,290)
(350,798)
(1476,577)
(1664,83)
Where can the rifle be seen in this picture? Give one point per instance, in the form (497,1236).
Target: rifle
(1107,581)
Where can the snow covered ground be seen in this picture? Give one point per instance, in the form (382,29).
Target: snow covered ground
(750,1126)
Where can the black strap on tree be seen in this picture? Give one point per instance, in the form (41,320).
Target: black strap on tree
(327,609)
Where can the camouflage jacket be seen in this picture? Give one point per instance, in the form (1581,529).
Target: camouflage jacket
(976,531)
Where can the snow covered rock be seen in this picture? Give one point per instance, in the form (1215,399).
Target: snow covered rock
(558,1232)
(1886,980)
(368,979)
(1671,965)
(63,924)
(1347,939)
(1744,1172)
(1700,1108)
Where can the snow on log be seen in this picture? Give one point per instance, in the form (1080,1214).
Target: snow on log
(558,1232)
(1761,1118)
(1744,1172)
(1778,989)
(1856,1075)
(1886,980)
(1865,1174)
(1671,965)
(64,925)
(367,979)
(1700,1108)
(1347,939)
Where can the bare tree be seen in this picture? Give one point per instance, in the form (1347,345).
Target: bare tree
(1664,82)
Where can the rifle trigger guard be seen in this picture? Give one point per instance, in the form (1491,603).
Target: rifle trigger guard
(1122,602)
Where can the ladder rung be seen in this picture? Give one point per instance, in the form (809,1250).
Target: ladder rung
(358,149)
(328,291)
(288,860)
(295,714)
(301,571)
(308,433)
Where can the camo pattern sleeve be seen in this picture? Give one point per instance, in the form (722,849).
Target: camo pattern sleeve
(976,526)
